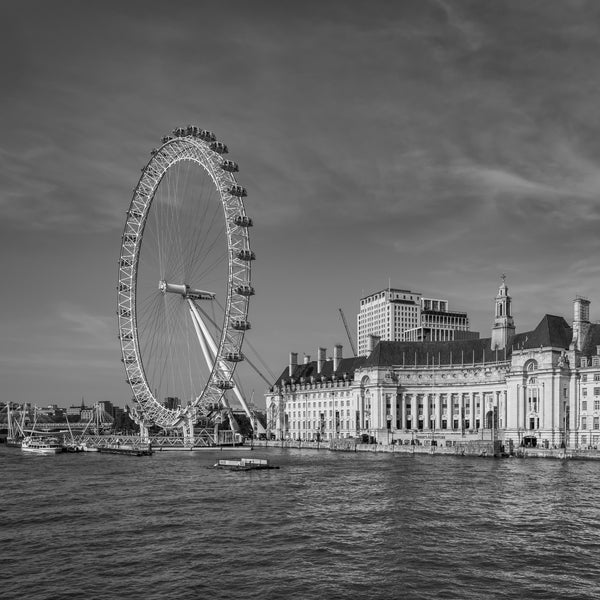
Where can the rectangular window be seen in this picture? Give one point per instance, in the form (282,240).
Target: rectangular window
(596,423)
(584,392)
(596,404)
(596,376)
(584,405)
(597,391)
(583,423)
(584,377)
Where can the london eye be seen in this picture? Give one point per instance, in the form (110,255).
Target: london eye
(184,282)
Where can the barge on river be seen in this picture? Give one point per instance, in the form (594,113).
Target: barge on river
(243,464)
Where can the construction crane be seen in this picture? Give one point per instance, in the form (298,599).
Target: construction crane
(347,332)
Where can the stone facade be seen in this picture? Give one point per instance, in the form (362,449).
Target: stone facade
(539,388)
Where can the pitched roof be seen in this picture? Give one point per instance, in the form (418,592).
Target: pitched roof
(308,370)
(551,331)
(592,340)
(457,352)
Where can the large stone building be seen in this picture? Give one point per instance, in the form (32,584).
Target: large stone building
(540,387)
(394,315)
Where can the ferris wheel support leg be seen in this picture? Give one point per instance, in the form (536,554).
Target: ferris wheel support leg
(144,434)
(188,432)
(199,323)
(280,418)
(204,338)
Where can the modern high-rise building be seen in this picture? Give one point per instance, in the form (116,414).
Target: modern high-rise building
(401,315)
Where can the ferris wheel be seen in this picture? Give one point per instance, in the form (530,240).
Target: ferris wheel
(184,280)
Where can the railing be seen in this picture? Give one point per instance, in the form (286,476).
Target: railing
(202,439)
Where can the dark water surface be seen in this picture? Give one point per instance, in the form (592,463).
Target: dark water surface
(326,525)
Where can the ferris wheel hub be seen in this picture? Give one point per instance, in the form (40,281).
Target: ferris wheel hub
(183,289)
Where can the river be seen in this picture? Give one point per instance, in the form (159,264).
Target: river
(326,525)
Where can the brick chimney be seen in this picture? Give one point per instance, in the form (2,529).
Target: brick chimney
(321,357)
(372,341)
(337,356)
(581,321)
(293,363)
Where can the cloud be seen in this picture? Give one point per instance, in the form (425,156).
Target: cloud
(502,181)
(71,336)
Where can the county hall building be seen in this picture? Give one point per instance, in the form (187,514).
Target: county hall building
(537,388)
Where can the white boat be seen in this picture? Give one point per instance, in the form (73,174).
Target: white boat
(88,447)
(243,464)
(41,445)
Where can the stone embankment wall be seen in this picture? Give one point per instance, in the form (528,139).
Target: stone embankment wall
(472,448)
(475,448)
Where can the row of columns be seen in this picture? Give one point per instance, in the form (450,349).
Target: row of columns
(434,413)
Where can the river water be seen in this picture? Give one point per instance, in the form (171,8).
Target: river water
(326,525)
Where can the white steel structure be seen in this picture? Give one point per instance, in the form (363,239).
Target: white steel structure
(184,280)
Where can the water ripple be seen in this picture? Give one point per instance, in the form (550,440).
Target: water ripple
(326,525)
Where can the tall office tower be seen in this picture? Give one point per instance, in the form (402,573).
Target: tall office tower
(401,315)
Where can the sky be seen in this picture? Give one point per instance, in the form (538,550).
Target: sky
(431,144)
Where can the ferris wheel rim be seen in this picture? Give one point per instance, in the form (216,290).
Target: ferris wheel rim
(201,148)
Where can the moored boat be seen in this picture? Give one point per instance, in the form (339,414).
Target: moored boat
(87,447)
(130,449)
(41,445)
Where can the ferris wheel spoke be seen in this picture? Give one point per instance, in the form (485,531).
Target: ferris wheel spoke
(200,250)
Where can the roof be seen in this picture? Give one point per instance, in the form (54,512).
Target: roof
(457,352)
(444,313)
(308,370)
(592,340)
(551,331)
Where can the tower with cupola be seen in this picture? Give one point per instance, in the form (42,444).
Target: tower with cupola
(504,325)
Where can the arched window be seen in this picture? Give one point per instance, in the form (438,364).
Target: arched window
(531,365)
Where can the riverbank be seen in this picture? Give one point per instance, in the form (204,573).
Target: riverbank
(484,449)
